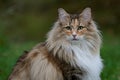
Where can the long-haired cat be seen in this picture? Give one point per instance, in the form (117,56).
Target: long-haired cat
(71,51)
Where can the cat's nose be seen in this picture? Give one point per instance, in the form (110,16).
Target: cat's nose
(74,36)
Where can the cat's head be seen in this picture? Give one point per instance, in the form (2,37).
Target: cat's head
(73,27)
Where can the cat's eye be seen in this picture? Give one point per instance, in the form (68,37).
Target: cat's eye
(68,28)
(80,27)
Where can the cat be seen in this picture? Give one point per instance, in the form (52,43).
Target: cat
(71,51)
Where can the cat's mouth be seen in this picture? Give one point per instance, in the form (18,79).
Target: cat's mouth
(75,39)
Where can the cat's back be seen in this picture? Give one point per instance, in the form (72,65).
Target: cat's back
(36,64)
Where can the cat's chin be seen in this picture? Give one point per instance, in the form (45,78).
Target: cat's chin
(75,42)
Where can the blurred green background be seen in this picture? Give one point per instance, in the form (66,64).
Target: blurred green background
(24,23)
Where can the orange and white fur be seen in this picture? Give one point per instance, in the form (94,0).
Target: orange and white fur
(74,40)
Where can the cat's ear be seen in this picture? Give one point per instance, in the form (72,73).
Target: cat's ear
(86,14)
(63,15)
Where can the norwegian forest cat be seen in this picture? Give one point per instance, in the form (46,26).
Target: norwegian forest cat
(71,51)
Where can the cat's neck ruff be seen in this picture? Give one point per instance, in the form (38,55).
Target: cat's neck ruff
(69,51)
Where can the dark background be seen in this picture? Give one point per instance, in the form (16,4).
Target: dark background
(22,20)
(24,23)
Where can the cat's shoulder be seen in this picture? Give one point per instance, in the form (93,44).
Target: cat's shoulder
(40,48)
(40,45)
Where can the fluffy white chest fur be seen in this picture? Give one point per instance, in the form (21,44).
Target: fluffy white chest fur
(88,61)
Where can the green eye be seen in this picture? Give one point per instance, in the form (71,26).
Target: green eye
(80,27)
(68,28)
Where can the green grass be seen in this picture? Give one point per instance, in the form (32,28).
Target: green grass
(109,52)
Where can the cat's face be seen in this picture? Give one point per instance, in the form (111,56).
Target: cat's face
(75,26)
(74,31)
